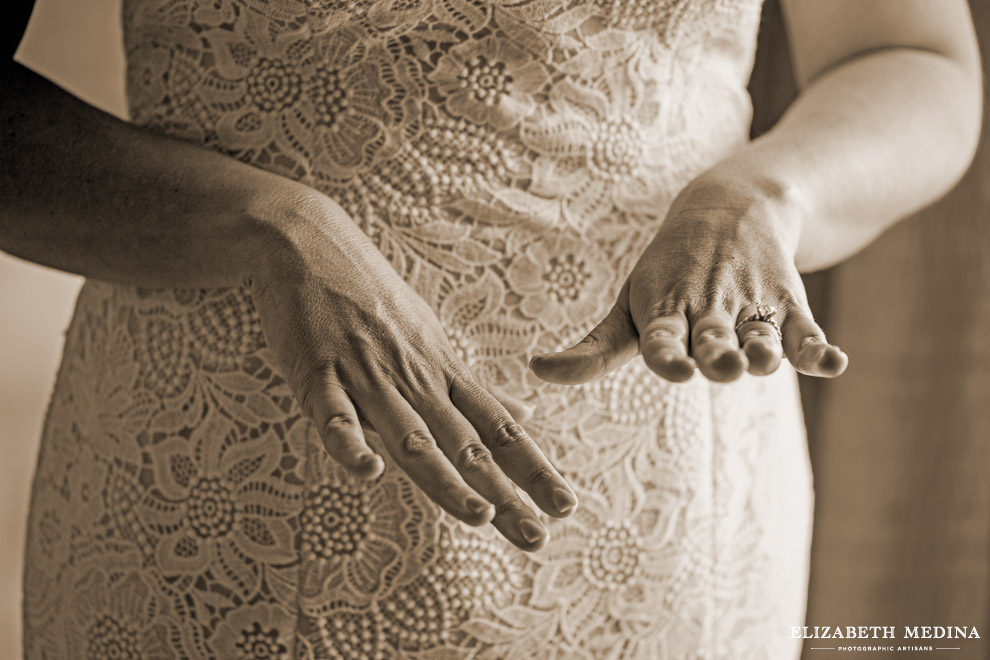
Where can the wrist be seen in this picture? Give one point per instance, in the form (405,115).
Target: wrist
(295,230)
(777,205)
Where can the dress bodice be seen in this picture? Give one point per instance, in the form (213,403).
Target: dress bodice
(511,158)
(517,153)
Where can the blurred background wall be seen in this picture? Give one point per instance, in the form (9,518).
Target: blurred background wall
(900,444)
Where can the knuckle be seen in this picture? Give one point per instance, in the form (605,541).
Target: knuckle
(541,475)
(461,379)
(509,505)
(474,457)
(810,340)
(417,443)
(314,372)
(427,376)
(662,336)
(310,381)
(508,435)
(714,333)
(599,336)
(668,306)
(590,340)
(339,423)
(419,382)
(761,331)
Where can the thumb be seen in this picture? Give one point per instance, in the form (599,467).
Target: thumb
(610,345)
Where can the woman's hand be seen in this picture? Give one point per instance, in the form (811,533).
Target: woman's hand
(357,343)
(714,290)
(94,195)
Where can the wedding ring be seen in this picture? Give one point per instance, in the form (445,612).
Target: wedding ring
(764,314)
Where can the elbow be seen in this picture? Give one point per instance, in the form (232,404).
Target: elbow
(963,97)
(953,100)
(964,122)
(976,123)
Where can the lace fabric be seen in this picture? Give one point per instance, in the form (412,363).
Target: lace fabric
(511,160)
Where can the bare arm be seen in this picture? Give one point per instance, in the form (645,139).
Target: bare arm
(887,121)
(85,192)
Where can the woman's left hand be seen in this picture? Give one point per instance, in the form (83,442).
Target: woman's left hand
(716,290)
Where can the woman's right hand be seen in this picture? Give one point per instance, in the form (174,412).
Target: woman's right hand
(356,342)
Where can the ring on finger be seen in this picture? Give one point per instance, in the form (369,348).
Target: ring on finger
(764,314)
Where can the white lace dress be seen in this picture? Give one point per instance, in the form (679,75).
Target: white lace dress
(511,158)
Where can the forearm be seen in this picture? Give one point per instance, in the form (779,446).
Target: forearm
(84,192)
(864,145)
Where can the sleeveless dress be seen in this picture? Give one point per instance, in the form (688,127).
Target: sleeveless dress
(511,158)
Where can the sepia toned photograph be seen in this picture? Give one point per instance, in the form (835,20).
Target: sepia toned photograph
(494,330)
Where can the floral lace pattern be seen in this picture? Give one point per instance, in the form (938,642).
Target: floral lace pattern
(511,158)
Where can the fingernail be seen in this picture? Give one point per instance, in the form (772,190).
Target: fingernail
(478,505)
(367,460)
(563,501)
(531,530)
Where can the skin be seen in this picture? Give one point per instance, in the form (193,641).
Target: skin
(87,193)
(887,121)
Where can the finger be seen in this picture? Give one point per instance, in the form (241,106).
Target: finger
(664,342)
(413,448)
(760,339)
(459,440)
(339,428)
(808,349)
(715,347)
(519,409)
(513,450)
(611,344)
